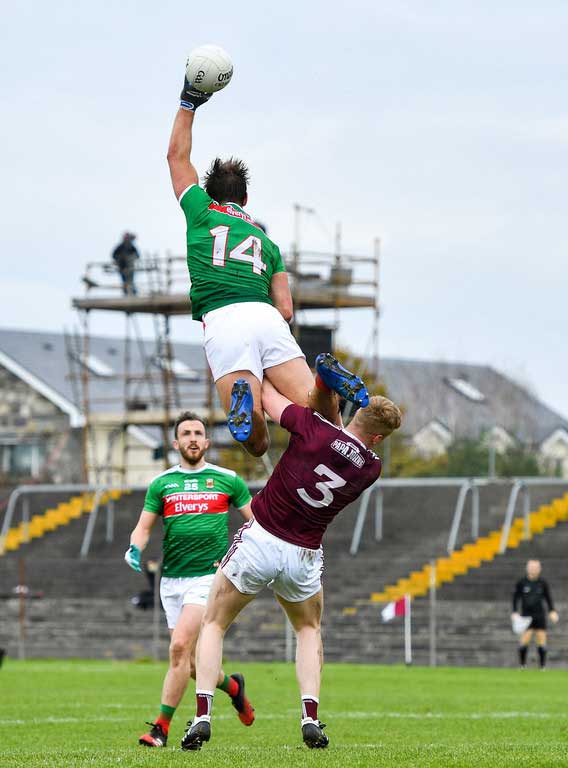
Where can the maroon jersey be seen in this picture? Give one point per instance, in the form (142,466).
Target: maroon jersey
(323,470)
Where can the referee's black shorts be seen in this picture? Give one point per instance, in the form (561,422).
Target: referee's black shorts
(538,621)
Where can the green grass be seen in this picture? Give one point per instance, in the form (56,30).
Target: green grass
(55,713)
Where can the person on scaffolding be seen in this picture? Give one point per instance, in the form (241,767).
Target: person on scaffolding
(125,256)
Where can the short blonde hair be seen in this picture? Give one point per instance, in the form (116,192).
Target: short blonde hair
(380,417)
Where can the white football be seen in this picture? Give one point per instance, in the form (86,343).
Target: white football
(209,68)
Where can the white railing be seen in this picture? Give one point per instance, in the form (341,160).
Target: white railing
(24,492)
(522,485)
(466,486)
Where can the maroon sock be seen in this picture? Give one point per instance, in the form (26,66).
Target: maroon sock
(310,707)
(204,701)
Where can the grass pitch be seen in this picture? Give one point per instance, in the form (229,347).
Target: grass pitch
(78,714)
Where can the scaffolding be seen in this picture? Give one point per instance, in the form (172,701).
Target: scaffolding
(154,389)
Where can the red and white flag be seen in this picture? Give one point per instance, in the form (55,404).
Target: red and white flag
(401,608)
(394,609)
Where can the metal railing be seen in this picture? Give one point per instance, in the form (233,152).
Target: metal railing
(466,486)
(24,492)
(153,274)
(522,485)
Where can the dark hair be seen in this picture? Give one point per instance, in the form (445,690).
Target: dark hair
(187,416)
(226,181)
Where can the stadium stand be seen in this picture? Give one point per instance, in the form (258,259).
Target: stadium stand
(52,519)
(86,609)
(484,549)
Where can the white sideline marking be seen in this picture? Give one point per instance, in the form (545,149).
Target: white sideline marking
(285,714)
(328,713)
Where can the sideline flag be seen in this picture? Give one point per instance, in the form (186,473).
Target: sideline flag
(394,609)
(401,608)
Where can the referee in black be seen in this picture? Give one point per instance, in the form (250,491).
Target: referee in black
(531,593)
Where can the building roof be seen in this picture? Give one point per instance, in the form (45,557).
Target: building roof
(467,399)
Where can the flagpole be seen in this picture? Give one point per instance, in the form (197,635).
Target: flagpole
(407,632)
(432,613)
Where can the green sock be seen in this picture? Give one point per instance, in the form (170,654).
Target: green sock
(229,685)
(166,713)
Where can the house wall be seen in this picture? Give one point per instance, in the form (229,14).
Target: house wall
(36,439)
(432,440)
(554,454)
(106,458)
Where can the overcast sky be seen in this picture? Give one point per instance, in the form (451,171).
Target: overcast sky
(441,127)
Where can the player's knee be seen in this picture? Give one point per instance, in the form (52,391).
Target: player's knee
(178,653)
(211,624)
(309,626)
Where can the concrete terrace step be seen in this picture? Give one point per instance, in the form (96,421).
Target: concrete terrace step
(86,609)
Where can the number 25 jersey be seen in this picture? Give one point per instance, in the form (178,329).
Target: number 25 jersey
(323,470)
(229,257)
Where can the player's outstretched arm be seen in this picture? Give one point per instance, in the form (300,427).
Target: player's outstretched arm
(273,402)
(326,402)
(139,539)
(179,152)
(182,172)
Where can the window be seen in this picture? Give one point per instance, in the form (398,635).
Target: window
(466,388)
(179,369)
(22,460)
(96,365)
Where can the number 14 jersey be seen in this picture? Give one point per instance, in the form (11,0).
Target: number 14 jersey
(229,257)
(324,469)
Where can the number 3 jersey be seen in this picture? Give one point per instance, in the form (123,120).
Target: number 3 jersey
(323,470)
(229,257)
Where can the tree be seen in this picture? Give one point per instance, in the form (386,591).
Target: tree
(518,462)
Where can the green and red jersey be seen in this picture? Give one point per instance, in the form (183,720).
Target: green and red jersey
(229,257)
(194,504)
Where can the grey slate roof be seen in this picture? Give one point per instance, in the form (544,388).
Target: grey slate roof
(46,356)
(420,386)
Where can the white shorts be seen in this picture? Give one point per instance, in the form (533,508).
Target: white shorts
(250,336)
(175,593)
(257,559)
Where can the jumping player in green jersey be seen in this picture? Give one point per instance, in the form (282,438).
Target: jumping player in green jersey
(193,500)
(239,287)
